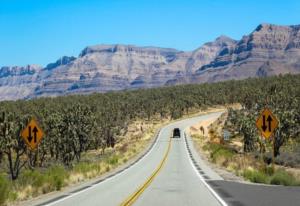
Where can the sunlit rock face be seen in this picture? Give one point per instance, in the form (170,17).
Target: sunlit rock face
(268,50)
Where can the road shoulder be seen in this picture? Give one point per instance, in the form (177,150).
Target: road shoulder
(203,157)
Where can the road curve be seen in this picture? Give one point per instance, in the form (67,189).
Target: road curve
(177,182)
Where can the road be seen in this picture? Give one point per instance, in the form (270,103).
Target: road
(181,178)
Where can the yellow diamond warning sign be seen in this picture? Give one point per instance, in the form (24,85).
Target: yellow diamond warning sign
(32,134)
(266,123)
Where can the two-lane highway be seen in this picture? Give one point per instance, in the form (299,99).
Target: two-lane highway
(172,173)
(176,183)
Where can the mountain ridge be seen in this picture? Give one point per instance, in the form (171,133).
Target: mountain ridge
(268,50)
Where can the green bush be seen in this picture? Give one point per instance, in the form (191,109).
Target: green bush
(113,160)
(256,176)
(267,176)
(282,177)
(56,177)
(12,196)
(34,178)
(218,151)
(4,189)
(212,147)
(85,167)
(268,170)
(49,180)
(26,178)
(221,153)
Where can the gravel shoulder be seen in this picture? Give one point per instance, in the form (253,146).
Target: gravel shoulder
(195,129)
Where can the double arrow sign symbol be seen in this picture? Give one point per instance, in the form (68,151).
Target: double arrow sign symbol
(269,120)
(32,134)
(267,123)
(35,131)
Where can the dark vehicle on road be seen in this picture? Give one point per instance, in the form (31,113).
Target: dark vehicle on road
(176,133)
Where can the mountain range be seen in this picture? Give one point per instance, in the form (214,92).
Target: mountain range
(268,50)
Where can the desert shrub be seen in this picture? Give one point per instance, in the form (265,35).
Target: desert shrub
(34,178)
(26,178)
(113,160)
(56,177)
(84,167)
(281,177)
(219,151)
(267,176)
(268,170)
(211,147)
(13,195)
(49,180)
(4,189)
(255,176)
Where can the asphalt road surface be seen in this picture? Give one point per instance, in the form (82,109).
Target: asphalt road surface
(183,179)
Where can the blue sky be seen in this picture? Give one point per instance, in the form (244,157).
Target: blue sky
(41,31)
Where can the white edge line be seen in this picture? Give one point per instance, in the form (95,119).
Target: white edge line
(202,179)
(109,178)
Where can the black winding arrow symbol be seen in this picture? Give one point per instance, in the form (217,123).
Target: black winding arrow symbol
(269,119)
(264,127)
(35,130)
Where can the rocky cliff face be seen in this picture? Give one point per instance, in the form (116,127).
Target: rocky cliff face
(103,68)
(18,82)
(268,50)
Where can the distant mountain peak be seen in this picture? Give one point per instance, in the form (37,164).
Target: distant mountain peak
(224,38)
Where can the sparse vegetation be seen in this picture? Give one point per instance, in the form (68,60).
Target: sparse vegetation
(33,183)
(255,176)
(41,180)
(281,177)
(218,152)
(252,159)
(76,125)
(86,167)
(4,189)
(246,165)
(113,160)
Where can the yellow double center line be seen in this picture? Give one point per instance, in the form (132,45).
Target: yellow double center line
(133,197)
